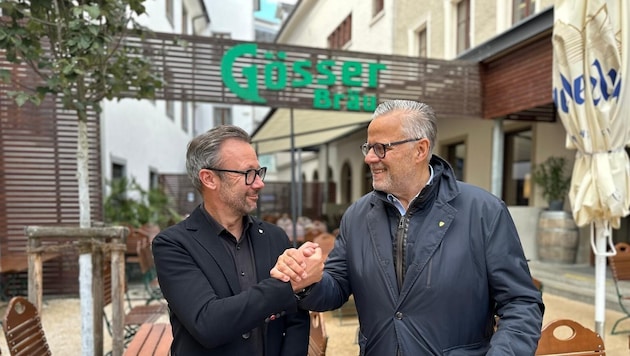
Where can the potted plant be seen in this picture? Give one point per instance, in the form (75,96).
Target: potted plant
(552,177)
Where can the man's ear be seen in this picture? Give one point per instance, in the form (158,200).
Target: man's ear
(208,178)
(422,149)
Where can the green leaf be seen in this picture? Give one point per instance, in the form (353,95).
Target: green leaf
(93,10)
(5,75)
(21,98)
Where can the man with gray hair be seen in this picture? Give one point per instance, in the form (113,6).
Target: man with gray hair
(429,260)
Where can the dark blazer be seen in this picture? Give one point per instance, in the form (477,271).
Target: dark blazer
(209,313)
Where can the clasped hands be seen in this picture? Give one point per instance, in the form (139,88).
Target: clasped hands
(302,266)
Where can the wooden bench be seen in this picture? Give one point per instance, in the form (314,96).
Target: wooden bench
(574,339)
(152,339)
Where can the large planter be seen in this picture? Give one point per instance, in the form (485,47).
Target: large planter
(558,237)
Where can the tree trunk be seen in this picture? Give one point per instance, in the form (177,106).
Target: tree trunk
(85,259)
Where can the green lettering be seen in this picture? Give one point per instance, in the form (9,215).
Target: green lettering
(280,70)
(325,68)
(373,69)
(369,102)
(249,92)
(302,68)
(321,99)
(337,100)
(354,101)
(350,70)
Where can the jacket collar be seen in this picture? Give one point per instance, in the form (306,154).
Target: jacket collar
(206,232)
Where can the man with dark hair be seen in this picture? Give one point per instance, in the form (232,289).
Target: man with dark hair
(213,267)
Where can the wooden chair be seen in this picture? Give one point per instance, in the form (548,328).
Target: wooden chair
(580,341)
(135,315)
(318,339)
(620,267)
(147,269)
(23,329)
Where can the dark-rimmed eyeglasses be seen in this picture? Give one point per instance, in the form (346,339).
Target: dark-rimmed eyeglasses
(380,149)
(250,174)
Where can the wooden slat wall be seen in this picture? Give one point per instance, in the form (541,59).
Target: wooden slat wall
(518,81)
(192,67)
(38,184)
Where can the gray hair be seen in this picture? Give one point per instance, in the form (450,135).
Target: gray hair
(204,150)
(418,120)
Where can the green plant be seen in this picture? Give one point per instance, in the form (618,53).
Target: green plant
(552,177)
(128,203)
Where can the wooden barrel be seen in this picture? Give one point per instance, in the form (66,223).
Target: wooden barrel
(557,237)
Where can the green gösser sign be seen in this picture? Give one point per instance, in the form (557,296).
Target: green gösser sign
(303,74)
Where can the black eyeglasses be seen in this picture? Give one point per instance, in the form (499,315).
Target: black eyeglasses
(250,174)
(380,149)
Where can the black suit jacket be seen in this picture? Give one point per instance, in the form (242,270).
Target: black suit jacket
(209,313)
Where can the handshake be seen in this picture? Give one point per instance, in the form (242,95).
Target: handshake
(302,266)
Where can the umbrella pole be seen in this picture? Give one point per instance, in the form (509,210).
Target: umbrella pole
(600,281)
(602,234)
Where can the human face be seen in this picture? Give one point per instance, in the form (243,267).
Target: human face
(233,192)
(394,173)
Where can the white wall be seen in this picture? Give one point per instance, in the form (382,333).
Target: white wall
(138,134)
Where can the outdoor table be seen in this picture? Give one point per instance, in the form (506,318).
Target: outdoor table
(11,265)
(151,339)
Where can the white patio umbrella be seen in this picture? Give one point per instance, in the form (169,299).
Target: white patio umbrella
(590,44)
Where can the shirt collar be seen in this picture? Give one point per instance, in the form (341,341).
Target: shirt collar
(401,208)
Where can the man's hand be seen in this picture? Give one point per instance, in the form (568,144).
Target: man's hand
(302,267)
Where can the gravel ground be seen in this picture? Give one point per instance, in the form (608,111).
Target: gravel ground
(61,322)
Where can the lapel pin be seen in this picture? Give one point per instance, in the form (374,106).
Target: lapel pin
(441,223)
(260,231)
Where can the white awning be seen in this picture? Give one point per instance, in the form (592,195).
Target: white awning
(310,128)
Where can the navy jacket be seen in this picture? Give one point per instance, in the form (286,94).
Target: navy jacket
(209,313)
(465,263)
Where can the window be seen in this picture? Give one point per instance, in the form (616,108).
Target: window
(456,157)
(463,26)
(153,179)
(222,116)
(341,35)
(377,7)
(170,9)
(522,9)
(118,171)
(422,42)
(517,167)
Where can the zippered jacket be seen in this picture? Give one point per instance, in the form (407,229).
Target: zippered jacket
(464,265)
